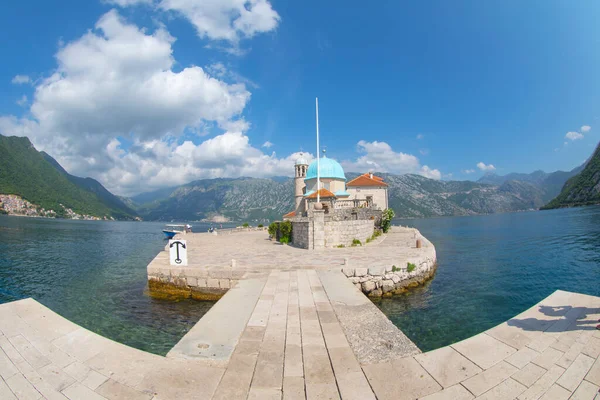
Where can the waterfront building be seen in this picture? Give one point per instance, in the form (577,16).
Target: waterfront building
(330,212)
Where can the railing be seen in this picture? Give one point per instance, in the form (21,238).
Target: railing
(344,204)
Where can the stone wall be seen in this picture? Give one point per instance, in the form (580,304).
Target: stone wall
(300,234)
(386,280)
(344,232)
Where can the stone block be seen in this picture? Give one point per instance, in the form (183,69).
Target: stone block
(224,283)
(377,278)
(192,281)
(376,271)
(387,286)
(360,272)
(212,283)
(365,279)
(349,272)
(395,278)
(354,279)
(376,293)
(201,282)
(368,286)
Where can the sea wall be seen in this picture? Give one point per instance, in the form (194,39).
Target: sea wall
(344,232)
(387,280)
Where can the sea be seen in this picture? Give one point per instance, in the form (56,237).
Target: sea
(490,268)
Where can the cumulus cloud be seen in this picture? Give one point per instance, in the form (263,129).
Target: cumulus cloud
(267,144)
(21,79)
(379,156)
(485,167)
(574,136)
(586,128)
(228,20)
(468,171)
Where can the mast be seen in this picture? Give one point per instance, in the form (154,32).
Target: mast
(318,155)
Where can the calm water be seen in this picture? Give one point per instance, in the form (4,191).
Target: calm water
(494,267)
(94,273)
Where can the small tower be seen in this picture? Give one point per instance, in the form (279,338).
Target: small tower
(301,168)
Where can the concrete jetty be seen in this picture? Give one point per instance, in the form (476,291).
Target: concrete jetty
(295,343)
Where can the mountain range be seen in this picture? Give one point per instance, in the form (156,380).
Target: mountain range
(582,189)
(40,180)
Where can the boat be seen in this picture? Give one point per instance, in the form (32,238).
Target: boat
(171,230)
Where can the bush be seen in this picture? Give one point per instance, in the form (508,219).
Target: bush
(386,220)
(356,242)
(410,267)
(245,225)
(285,229)
(340,246)
(272,229)
(260,226)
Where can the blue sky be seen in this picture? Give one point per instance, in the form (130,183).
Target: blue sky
(142,94)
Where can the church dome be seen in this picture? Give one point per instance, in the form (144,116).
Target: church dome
(329,168)
(301,161)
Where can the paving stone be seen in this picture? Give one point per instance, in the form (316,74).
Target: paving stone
(567,359)
(94,380)
(484,350)
(22,388)
(79,392)
(114,390)
(594,373)
(293,388)
(522,357)
(509,389)
(548,358)
(5,392)
(28,352)
(56,377)
(585,391)
(489,378)
(447,366)
(543,384)
(456,392)
(576,372)
(400,379)
(529,374)
(512,335)
(592,347)
(7,368)
(556,392)
(542,342)
(10,351)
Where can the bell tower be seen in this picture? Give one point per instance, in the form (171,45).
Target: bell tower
(299,185)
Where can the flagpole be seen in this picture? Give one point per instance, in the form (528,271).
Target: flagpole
(318,155)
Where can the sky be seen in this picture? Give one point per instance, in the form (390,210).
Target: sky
(145,94)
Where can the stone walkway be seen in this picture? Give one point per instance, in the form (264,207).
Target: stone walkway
(298,340)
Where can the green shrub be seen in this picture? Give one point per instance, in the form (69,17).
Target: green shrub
(272,229)
(340,246)
(369,239)
(245,225)
(395,269)
(285,229)
(356,242)
(410,267)
(386,220)
(284,240)
(260,226)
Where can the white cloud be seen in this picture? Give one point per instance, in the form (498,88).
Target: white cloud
(424,152)
(420,136)
(484,167)
(22,101)
(468,171)
(379,156)
(267,144)
(586,128)
(573,136)
(21,79)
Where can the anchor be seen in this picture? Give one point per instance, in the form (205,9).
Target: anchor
(177,244)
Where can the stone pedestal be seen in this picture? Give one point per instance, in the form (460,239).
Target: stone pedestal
(318,229)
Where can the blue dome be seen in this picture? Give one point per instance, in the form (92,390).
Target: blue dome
(329,168)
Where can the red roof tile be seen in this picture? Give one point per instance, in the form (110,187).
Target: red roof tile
(291,214)
(324,193)
(366,180)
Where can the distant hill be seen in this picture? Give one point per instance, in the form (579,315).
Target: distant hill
(582,189)
(252,199)
(550,184)
(39,179)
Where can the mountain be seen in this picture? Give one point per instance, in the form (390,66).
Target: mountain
(550,184)
(247,199)
(235,199)
(582,189)
(40,180)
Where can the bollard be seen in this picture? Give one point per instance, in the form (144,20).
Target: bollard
(232,263)
(418,243)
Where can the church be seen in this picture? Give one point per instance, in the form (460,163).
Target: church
(331,212)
